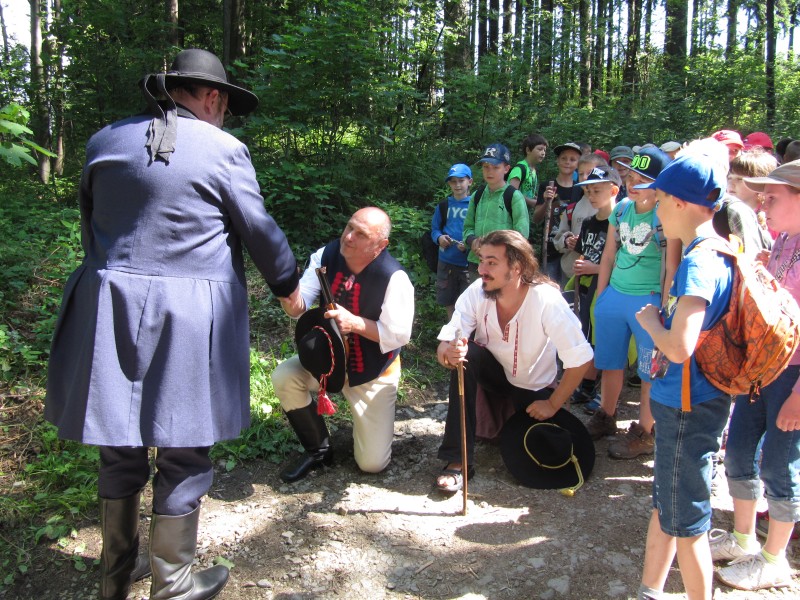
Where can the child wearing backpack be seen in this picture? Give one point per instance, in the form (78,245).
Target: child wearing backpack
(523,176)
(495,205)
(769,425)
(687,193)
(632,273)
(446,231)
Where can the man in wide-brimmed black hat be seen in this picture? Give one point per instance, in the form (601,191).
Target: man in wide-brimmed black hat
(152,344)
(373,310)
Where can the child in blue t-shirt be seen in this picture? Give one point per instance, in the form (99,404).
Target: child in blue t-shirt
(632,274)
(687,192)
(451,275)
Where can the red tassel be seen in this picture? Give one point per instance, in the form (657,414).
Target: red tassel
(324,404)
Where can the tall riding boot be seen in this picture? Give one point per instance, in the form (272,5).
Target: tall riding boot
(313,435)
(120,563)
(173,541)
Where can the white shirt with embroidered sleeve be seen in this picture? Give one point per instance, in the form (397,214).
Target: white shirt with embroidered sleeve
(543,327)
(397,310)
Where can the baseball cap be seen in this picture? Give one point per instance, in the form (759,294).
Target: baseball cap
(728,137)
(648,162)
(692,178)
(757,138)
(495,154)
(458,170)
(621,152)
(568,146)
(670,146)
(786,174)
(603,154)
(601,174)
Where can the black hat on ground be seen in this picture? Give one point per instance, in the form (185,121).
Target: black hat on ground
(554,454)
(320,349)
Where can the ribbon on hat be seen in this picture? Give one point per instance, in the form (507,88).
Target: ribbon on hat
(570,491)
(324,404)
(163,129)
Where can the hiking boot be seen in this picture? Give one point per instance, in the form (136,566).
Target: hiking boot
(635,442)
(601,424)
(753,572)
(725,547)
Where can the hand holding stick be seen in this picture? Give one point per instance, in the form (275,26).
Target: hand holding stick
(462,403)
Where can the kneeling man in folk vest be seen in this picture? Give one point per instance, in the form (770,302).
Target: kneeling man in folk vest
(513,322)
(373,308)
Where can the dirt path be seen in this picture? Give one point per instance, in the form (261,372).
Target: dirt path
(343,534)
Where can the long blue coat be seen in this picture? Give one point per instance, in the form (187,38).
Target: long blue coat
(151,347)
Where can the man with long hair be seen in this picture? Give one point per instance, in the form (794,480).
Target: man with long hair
(513,322)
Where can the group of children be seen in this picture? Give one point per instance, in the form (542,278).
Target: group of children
(625,246)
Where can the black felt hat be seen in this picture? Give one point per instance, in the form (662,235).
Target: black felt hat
(320,349)
(554,454)
(204,68)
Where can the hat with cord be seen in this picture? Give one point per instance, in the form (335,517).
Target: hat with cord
(557,453)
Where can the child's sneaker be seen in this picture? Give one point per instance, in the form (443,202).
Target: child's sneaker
(635,442)
(725,547)
(580,396)
(593,404)
(762,526)
(755,573)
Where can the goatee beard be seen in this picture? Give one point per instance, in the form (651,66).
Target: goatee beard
(492,294)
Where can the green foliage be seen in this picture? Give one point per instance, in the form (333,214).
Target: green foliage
(15,148)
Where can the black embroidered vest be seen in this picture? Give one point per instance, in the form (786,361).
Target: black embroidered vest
(362,295)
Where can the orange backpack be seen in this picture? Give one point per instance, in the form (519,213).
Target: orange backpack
(754,340)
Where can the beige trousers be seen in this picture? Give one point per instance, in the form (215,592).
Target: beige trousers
(371,404)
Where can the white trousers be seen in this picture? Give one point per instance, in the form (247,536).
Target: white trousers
(371,404)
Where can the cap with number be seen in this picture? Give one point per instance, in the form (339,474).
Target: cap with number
(649,162)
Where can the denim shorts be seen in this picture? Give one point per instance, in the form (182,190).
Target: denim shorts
(614,322)
(451,281)
(777,465)
(686,443)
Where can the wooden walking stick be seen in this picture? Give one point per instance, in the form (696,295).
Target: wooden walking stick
(548,207)
(462,404)
(576,303)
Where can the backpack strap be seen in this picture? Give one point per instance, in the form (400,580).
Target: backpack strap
(620,211)
(508,196)
(443,210)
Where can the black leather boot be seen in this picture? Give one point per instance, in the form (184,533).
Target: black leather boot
(119,561)
(173,541)
(313,435)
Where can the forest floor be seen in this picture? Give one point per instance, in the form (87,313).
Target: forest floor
(344,534)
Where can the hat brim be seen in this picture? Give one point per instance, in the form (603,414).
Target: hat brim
(492,161)
(757,184)
(559,149)
(315,318)
(240,100)
(526,471)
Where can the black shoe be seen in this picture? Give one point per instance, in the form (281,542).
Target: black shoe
(307,464)
(634,381)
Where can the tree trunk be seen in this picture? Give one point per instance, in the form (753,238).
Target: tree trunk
(733,23)
(483,29)
(456,45)
(586,55)
(494,26)
(508,34)
(58,94)
(40,117)
(6,53)
(546,39)
(769,67)
(233,36)
(629,78)
(677,15)
(600,45)
(174,32)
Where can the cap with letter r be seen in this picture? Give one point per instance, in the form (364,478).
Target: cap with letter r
(496,154)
